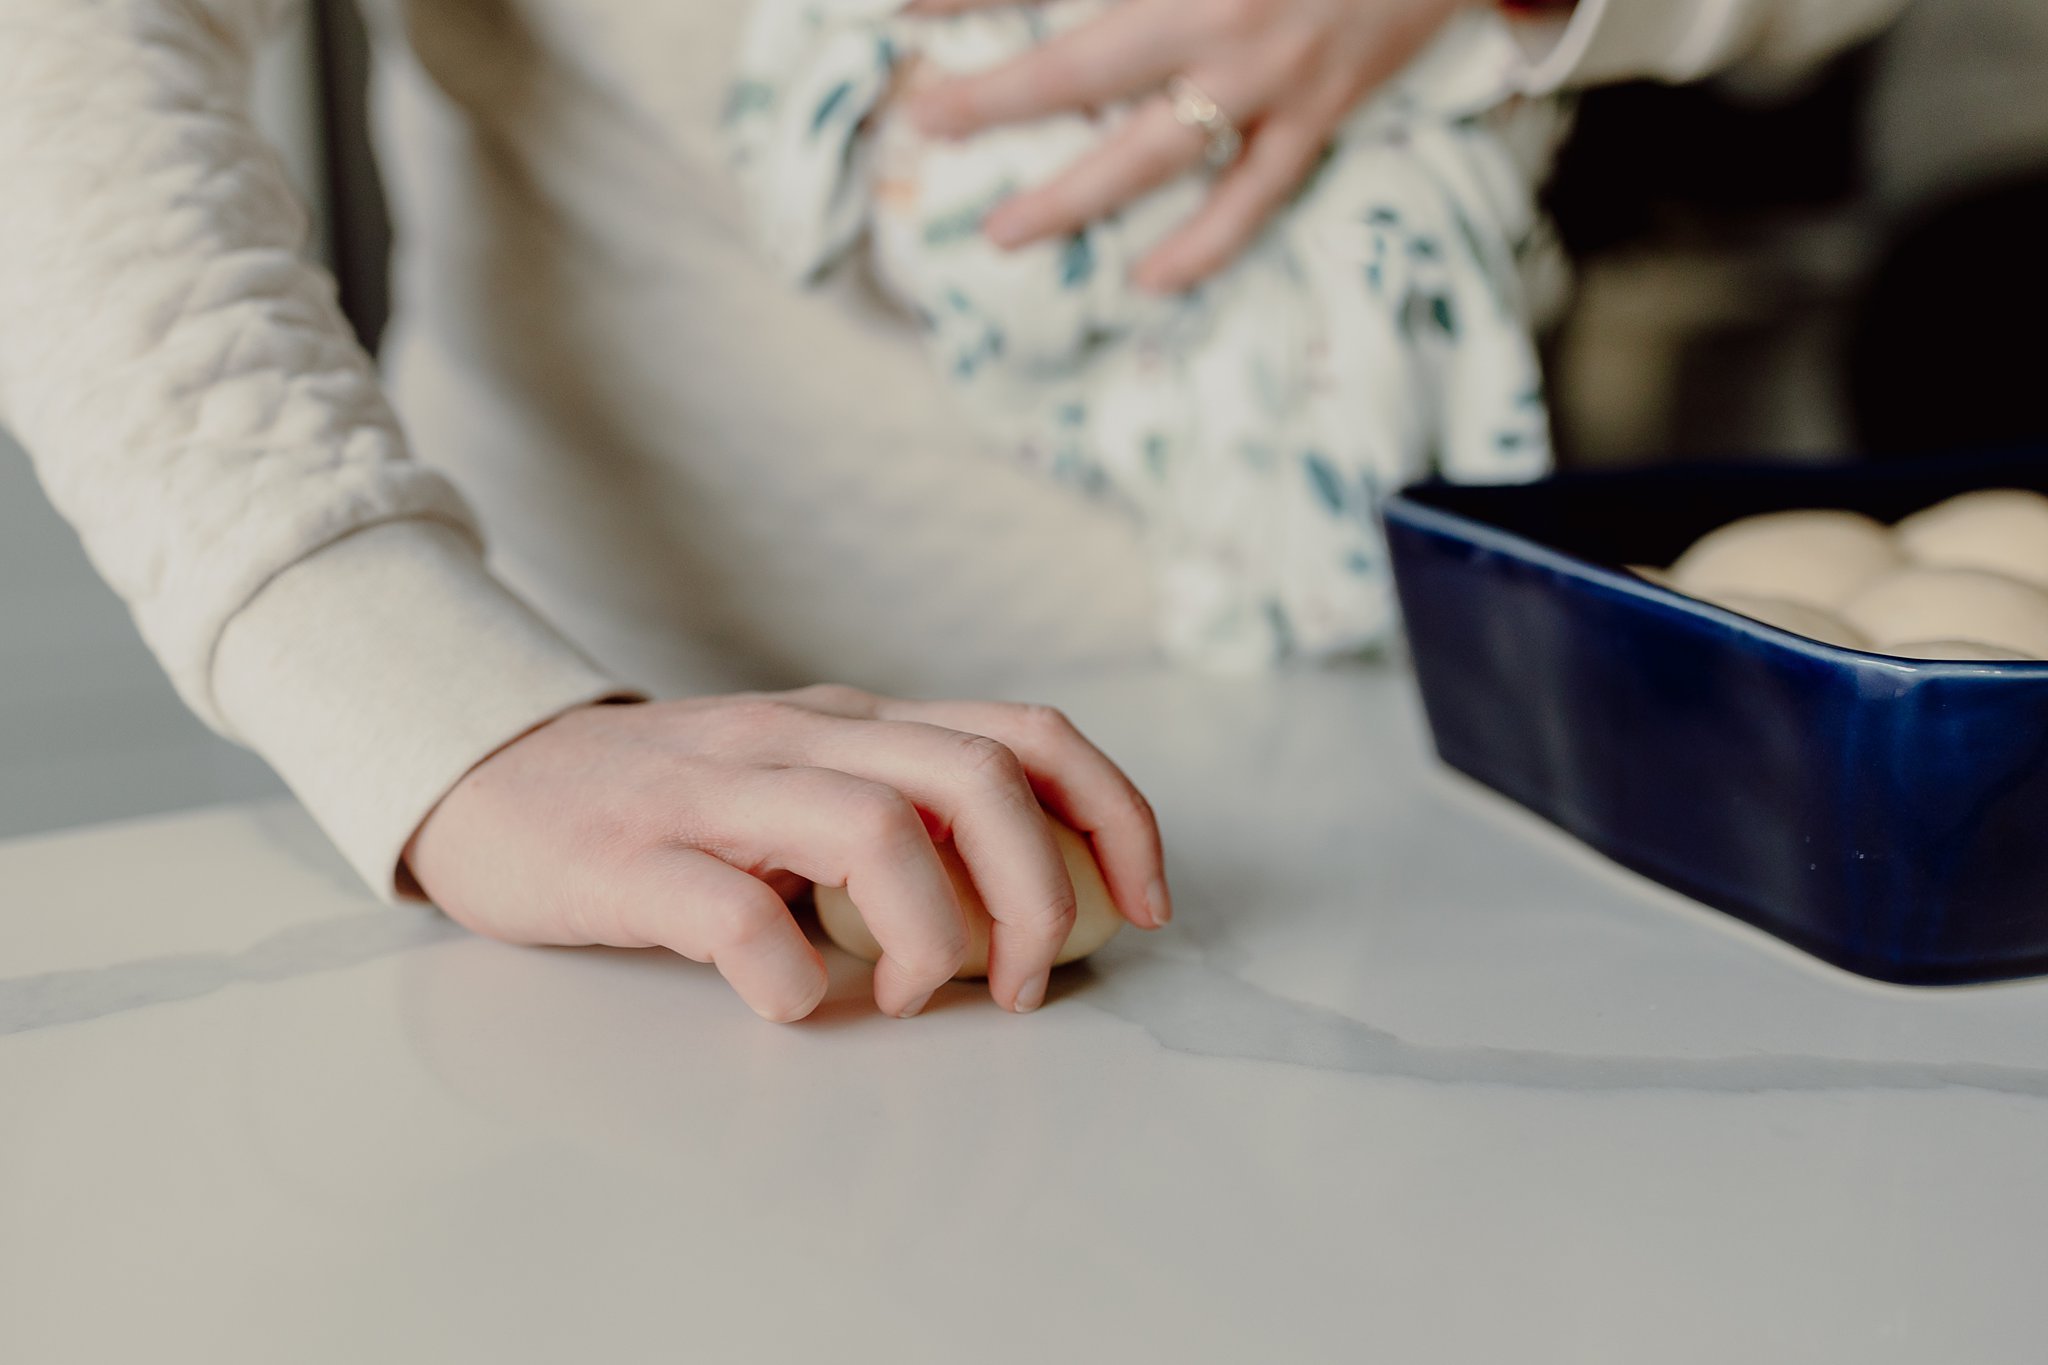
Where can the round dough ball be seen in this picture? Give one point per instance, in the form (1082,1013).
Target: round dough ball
(1095,920)
(2001,530)
(1964,650)
(1816,558)
(1796,617)
(1953,604)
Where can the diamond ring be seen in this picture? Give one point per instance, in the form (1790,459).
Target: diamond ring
(1222,140)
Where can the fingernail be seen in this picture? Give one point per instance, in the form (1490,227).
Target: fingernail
(917,1006)
(1033,993)
(1158,902)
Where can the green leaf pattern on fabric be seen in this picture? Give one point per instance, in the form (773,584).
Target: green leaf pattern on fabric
(835,100)
(1077,262)
(1156,455)
(747,98)
(1324,478)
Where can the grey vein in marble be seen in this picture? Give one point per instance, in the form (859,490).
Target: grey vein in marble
(1194,1008)
(28,1003)
(1190,1007)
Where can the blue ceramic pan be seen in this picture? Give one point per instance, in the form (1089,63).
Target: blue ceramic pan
(1887,815)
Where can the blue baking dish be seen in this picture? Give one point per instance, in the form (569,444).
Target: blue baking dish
(1889,816)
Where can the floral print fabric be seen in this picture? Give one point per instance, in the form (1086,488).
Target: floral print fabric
(1377,332)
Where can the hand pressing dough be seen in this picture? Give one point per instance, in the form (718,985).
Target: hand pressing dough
(1965,650)
(1796,617)
(2002,530)
(1953,604)
(1815,558)
(1095,921)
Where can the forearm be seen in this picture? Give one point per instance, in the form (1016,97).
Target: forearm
(192,401)
(196,406)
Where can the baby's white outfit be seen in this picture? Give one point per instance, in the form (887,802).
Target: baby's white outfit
(1379,331)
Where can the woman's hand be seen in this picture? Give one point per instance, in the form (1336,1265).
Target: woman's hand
(1287,72)
(662,825)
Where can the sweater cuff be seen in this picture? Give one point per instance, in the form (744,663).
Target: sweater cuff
(375,673)
(1601,41)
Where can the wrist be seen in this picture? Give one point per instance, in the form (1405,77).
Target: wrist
(410,881)
(373,673)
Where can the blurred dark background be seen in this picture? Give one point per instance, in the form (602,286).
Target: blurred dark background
(1846,263)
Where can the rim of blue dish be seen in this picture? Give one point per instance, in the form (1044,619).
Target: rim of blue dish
(1612,578)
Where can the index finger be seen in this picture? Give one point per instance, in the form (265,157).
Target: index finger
(1081,785)
(1128,51)
(841,830)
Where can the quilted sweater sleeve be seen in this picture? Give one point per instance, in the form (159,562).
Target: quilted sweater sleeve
(196,406)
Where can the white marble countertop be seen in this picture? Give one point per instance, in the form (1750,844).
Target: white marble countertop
(1411,1079)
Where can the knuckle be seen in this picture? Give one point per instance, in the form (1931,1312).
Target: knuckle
(991,763)
(937,955)
(1045,722)
(739,923)
(752,716)
(882,816)
(832,697)
(1055,917)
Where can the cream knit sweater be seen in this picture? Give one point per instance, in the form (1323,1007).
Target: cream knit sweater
(704,480)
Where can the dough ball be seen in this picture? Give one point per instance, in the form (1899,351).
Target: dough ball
(1796,617)
(1095,921)
(1661,577)
(1818,558)
(1968,650)
(1953,604)
(2002,530)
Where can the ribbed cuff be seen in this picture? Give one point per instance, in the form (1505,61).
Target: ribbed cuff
(375,673)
